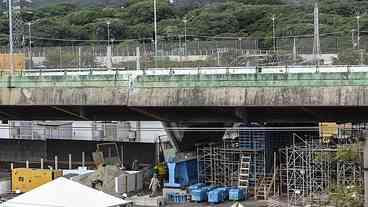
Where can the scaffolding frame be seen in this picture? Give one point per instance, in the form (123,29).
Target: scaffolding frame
(311,170)
(218,164)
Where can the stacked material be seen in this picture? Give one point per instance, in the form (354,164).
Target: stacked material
(102,179)
(216,196)
(200,195)
(236,194)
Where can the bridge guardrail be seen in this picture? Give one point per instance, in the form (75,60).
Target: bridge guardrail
(130,76)
(191,70)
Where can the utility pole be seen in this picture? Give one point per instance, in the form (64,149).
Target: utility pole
(316,40)
(109,52)
(108,33)
(353,38)
(11,46)
(294,50)
(358,31)
(30,45)
(274,33)
(155,23)
(185,35)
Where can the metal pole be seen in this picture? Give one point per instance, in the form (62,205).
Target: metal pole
(79,57)
(353,38)
(138,55)
(274,33)
(83,159)
(56,162)
(358,32)
(60,58)
(30,45)
(294,50)
(70,161)
(11,46)
(108,34)
(185,35)
(155,23)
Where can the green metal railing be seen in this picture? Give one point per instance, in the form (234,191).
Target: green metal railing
(184,78)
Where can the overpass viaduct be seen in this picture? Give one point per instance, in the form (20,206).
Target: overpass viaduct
(192,95)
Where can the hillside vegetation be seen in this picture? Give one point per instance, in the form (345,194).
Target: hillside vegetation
(245,18)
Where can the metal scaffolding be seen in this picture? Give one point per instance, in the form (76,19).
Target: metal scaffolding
(218,164)
(309,169)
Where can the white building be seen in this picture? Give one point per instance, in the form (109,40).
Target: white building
(146,131)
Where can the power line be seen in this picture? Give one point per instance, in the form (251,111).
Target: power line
(210,37)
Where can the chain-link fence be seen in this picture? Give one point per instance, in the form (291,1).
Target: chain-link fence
(195,52)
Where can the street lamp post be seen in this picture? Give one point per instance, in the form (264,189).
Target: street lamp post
(353,38)
(112,47)
(185,35)
(358,31)
(108,33)
(274,33)
(30,45)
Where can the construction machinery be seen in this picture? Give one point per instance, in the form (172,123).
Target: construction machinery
(26,179)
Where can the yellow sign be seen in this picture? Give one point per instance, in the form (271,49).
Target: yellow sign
(19,61)
(327,131)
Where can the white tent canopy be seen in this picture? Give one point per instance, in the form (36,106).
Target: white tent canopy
(64,193)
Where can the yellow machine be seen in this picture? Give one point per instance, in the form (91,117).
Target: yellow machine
(26,179)
(328,131)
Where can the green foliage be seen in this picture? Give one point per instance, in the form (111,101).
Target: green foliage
(83,19)
(342,196)
(348,153)
(55,10)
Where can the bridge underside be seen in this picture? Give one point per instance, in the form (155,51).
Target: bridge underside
(277,114)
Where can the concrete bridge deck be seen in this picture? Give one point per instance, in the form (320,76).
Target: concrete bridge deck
(269,94)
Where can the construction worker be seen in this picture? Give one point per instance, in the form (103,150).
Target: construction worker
(154,185)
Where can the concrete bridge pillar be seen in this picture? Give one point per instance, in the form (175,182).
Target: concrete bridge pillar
(174,136)
(185,136)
